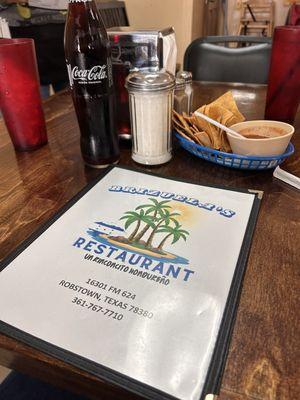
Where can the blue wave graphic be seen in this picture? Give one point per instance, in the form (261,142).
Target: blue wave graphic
(116,228)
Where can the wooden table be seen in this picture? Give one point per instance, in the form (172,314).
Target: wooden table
(264,352)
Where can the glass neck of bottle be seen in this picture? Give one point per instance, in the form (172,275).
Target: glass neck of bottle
(80,1)
(79,9)
(81,4)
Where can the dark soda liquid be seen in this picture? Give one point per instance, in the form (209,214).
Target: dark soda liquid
(99,146)
(120,73)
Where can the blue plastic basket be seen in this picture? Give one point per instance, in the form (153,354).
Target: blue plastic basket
(234,160)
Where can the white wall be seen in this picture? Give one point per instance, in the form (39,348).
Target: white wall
(184,15)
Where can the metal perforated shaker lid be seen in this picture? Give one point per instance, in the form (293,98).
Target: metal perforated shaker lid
(186,75)
(146,81)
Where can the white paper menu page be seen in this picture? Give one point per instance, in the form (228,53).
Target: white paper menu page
(134,276)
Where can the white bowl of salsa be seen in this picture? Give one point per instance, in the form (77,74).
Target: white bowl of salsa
(262,138)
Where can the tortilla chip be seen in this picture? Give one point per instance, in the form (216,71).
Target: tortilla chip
(193,128)
(203,139)
(179,119)
(182,133)
(227,101)
(205,126)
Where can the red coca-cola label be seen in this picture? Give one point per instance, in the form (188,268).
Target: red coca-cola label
(95,74)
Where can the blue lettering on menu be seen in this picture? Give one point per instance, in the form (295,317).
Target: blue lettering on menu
(142,262)
(172,196)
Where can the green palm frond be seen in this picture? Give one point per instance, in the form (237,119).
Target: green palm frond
(148,221)
(153,200)
(159,203)
(179,234)
(154,206)
(164,202)
(184,232)
(175,239)
(176,223)
(164,229)
(172,231)
(132,214)
(131,217)
(151,209)
(143,206)
(129,222)
(162,212)
(170,217)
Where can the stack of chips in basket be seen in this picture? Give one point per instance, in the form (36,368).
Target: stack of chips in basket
(197,130)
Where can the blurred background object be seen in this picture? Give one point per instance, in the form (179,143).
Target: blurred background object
(210,61)
(257,18)
(113,13)
(294,15)
(20,100)
(193,19)
(45,25)
(4,29)
(186,16)
(283,96)
(44,22)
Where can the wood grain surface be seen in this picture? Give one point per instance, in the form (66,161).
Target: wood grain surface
(263,361)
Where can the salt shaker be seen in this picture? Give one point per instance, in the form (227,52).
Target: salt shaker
(181,98)
(151,102)
(188,78)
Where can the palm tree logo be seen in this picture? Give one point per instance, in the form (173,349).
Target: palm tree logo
(150,221)
(132,217)
(154,210)
(176,232)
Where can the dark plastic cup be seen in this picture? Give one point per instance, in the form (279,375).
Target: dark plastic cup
(283,94)
(20,100)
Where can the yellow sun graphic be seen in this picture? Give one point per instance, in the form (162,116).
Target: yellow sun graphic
(188,215)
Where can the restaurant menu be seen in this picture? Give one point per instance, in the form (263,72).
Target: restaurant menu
(135,281)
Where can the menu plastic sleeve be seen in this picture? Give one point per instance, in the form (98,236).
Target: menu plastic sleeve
(137,281)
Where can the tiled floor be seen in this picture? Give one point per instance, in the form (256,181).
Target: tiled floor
(3,373)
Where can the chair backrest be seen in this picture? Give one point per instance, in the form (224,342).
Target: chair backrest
(113,13)
(208,61)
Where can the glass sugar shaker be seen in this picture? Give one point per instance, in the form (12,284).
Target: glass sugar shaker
(188,78)
(181,99)
(151,97)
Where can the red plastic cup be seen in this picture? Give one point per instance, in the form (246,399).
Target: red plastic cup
(20,100)
(283,94)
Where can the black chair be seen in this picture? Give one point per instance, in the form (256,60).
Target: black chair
(208,61)
(113,13)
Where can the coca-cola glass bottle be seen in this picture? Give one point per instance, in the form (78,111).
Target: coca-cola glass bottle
(88,58)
